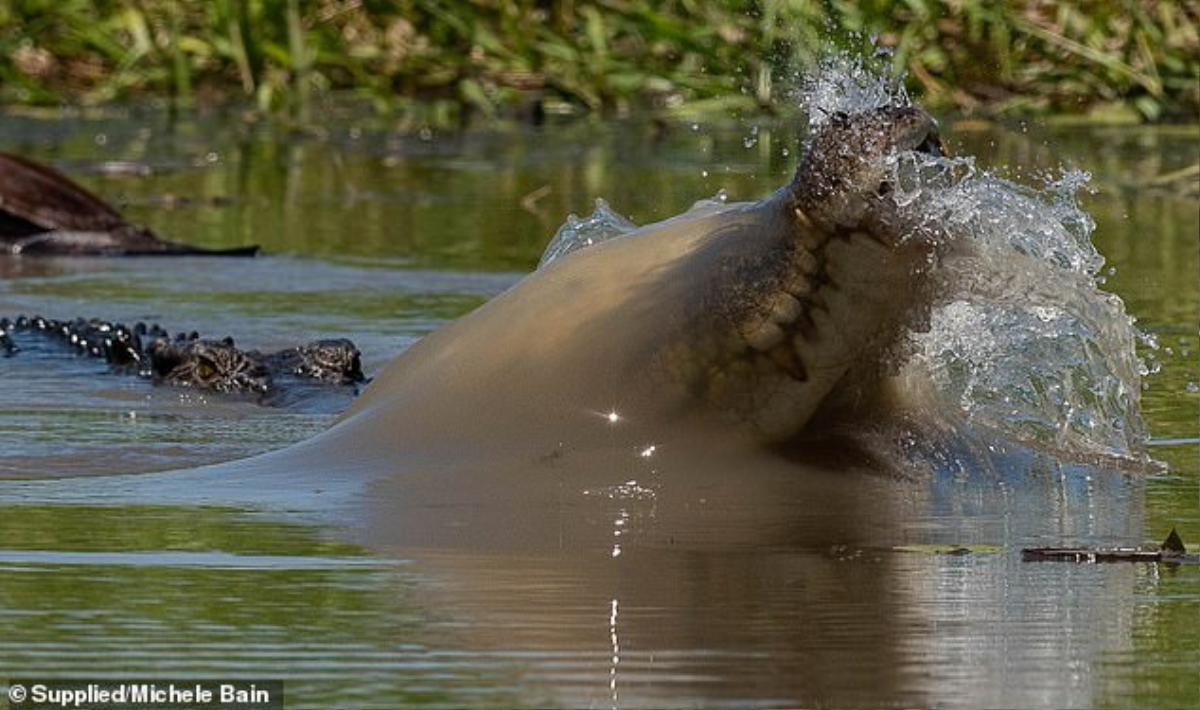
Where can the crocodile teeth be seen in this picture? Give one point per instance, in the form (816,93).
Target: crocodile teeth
(785,309)
(807,234)
(797,284)
(805,261)
(763,335)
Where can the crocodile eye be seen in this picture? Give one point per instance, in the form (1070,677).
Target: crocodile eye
(205,370)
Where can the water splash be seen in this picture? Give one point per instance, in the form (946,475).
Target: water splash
(848,83)
(579,232)
(604,224)
(1022,339)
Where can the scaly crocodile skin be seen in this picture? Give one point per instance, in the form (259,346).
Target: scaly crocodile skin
(186,360)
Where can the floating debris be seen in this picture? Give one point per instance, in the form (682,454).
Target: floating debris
(949,549)
(1171,551)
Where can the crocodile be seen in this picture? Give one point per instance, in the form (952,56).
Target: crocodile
(45,213)
(187,360)
(734,330)
(767,327)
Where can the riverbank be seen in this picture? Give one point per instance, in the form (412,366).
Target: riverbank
(1123,60)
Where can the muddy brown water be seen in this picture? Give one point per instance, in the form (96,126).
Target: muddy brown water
(753,584)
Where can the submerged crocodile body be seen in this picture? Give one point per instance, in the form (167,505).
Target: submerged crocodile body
(187,360)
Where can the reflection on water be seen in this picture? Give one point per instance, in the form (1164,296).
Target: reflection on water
(275,601)
(734,583)
(801,596)
(744,597)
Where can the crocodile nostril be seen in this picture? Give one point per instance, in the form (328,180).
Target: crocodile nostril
(931,145)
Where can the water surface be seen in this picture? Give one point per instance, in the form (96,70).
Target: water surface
(381,237)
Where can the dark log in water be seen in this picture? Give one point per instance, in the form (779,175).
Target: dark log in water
(1172,551)
(43,212)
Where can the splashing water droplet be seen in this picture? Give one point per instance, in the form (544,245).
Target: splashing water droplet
(1027,343)
(576,233)
(843,82)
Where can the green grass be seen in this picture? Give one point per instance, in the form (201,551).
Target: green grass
(1116,59)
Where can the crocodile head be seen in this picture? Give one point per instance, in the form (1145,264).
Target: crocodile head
(814,288)
(842,181)
(333,360)
(211,365)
